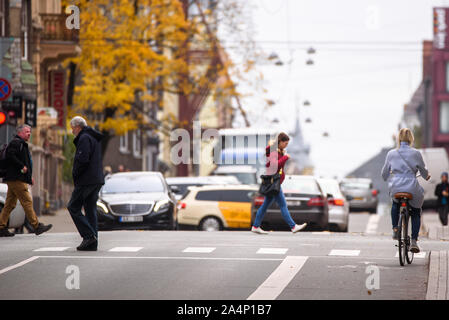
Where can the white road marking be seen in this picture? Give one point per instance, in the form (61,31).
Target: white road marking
(373,221)
(344,253)
(272,251)
(18,265)
(52,249)
(126,249)
(199,249)
(160,258)
(420,255)
(273,286)
(322,232)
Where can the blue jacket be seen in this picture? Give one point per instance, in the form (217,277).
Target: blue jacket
(400,176)
(87,165)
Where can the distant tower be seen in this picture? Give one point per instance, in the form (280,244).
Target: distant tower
(299,151)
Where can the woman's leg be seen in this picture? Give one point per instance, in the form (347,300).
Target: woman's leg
(416,222)
(395,214)
(280,199)
(262,210)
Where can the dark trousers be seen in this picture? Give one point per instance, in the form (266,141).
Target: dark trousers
(443,212)
(85,197)
(415,216)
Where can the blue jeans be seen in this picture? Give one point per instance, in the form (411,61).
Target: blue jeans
(415,215)
(280,199)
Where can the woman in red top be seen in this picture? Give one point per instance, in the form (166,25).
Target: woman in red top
(275,163)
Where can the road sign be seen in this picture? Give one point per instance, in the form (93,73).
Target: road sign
(5,89)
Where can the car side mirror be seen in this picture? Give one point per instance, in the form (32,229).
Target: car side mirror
(174,189)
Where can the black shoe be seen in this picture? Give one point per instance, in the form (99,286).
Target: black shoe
(41,228)
(395,234)
(88,245)
(4,232)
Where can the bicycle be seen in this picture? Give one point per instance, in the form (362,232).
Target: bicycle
(404,228)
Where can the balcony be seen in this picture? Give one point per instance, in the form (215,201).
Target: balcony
(54,28)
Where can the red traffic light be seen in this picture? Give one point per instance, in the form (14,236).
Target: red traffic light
(2,117)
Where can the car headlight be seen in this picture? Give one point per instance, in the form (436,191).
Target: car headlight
(102,206)
(161,205)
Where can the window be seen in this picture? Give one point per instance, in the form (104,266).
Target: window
(137,147)
(24,31)
(444,117)
(236,195)
(447,76)
(214,195)
(2,18)
(124,143)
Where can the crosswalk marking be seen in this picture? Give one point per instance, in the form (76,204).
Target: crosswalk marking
(273,286)
(51,249)
(344,253)
(199,249)
(272,251)
(126,249)
(420,255)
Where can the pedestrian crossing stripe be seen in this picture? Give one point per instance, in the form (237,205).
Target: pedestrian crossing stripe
(272,251)
(51,249)
(420,255)
(199,249)
(344,253)
(126,249)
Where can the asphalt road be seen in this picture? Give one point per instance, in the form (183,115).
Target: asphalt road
(237,265)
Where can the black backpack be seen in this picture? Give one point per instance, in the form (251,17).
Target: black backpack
(3,163)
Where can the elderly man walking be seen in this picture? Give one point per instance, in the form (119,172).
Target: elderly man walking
(88,178)
(19,175)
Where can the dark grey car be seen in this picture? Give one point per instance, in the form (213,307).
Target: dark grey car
(360,194)
(306,202)
(136,200)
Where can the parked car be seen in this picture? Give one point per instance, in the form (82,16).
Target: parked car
(136,200)
(360,194)
(245,174)
(338,205)
(213,208)
(17,217)
(305,200)
(179,185)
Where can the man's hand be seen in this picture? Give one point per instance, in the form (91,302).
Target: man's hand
(445,193)
(24,169)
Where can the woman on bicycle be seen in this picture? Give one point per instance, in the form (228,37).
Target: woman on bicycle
(401,166)
(276,161)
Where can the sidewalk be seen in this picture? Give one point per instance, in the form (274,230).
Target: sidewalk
(438,281)
(61,221)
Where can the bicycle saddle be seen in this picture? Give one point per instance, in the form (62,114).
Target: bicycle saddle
(401,195)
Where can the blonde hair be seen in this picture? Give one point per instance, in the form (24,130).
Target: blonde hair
(405,135)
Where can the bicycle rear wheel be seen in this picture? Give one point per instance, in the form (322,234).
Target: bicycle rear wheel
(408,254)
(401,244)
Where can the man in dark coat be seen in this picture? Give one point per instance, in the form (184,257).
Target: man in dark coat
(88,179)
(442,192)
(19,175)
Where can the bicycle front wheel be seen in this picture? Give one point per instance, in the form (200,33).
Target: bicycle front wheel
(401,244)
(408,228)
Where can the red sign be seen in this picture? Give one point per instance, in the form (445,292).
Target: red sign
(441,28)
(57,95)
(5,89)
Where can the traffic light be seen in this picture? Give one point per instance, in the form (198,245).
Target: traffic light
(2,118)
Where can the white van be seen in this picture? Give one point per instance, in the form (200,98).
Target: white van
(436,161)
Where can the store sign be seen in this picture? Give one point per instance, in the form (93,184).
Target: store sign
(441,28)
(58,95)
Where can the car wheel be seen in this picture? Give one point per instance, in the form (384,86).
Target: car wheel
(373,211)
(210,224)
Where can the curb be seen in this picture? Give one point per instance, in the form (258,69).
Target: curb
(438,280)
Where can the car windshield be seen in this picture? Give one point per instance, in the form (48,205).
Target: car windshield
(133,184)
(355,185)
(307,186)
(331,188)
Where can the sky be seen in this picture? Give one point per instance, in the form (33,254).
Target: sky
(368,63)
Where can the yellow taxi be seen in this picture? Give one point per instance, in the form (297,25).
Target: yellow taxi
(217,207)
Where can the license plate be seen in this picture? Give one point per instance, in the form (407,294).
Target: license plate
(131,219)
(293,203)
(359,198)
